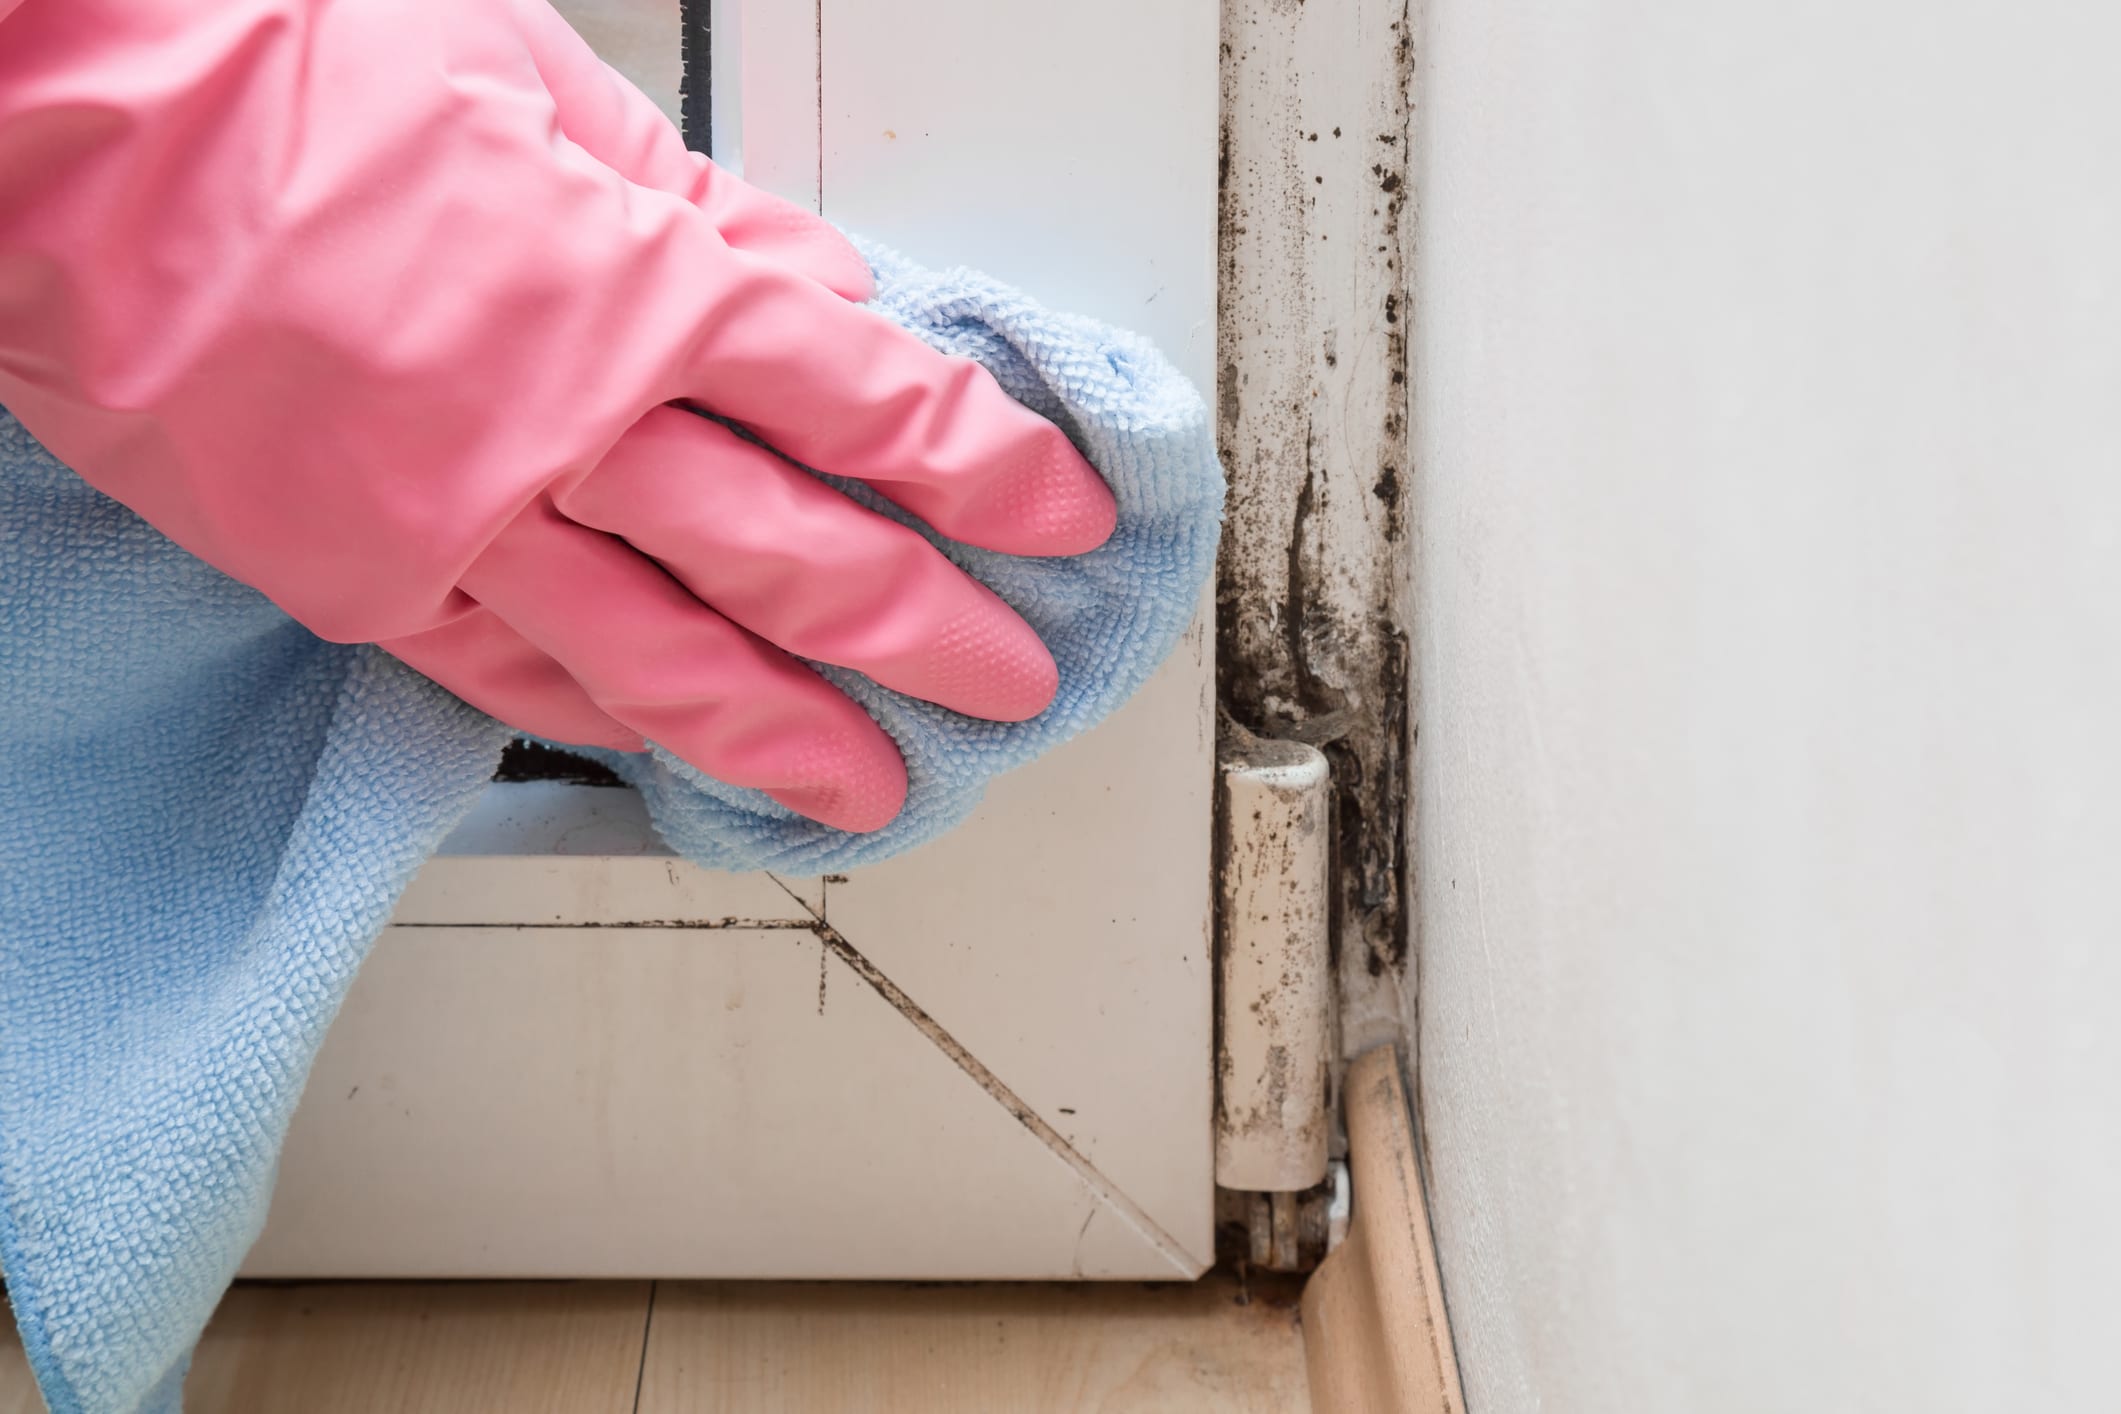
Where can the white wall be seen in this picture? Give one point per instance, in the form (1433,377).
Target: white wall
(1769,490)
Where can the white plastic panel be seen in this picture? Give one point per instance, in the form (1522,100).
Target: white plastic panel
(1063,934)
(990,1058)
(661,1102)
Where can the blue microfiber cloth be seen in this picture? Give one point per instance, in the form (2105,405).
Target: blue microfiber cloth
(207,814)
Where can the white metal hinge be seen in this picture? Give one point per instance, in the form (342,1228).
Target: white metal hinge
(1274,1031)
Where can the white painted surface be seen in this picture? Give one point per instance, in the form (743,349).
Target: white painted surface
(576,1093)
(1769,473)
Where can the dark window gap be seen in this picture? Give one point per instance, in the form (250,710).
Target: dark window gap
(535,761)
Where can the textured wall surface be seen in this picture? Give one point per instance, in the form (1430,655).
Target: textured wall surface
(1767,447)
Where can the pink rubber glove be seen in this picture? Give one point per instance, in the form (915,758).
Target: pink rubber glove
(378,307)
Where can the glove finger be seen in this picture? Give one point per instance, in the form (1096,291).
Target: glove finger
(658,661)
(797,563)
(605,115)
(842,389)
(492,667)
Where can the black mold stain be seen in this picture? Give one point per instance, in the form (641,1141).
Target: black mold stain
(534,761)
(1308,645)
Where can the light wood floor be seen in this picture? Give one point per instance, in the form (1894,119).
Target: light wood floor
(741,1348)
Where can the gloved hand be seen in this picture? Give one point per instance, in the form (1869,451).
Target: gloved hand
(390,310)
